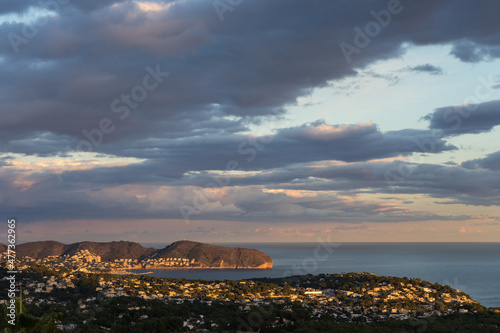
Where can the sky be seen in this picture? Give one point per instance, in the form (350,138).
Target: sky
(250,121)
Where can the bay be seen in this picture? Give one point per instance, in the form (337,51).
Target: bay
(473,268)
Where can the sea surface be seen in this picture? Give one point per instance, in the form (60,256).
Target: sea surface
(473,268)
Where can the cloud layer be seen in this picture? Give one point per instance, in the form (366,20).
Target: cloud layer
(172,92)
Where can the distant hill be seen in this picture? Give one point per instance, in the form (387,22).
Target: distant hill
(112,250)
(41,249)
(3,247)
(108,250)
(204,255)
(213,256)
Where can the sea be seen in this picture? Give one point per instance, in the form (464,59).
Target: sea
(473,268)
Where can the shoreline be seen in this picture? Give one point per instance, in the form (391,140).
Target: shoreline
(127,271)
(204,268)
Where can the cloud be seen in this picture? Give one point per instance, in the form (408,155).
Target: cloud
(92,61)
(39,195)
(487,223)
(347,228)
(468,51)
(491,161)
(298,193)
(280,232)
(12,7)
(465,119)
(4,161)
(427,68)
(469,230)
(164,160)
(64,79)
(318,141)
(455,183)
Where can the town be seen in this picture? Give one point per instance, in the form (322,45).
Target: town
(85,261)
(353,297)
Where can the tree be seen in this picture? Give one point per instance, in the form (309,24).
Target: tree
(26,322)
(287,289)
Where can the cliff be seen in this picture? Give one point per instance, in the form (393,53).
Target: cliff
(213,256)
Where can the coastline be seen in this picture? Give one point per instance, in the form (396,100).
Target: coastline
(132,270)
(202,268)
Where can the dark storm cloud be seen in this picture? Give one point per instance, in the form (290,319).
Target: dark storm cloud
(465,119)
(427,68)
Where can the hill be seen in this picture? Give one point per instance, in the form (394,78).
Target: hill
(199,255)
(41,249)
(107,250)
(213,256)
(110,251)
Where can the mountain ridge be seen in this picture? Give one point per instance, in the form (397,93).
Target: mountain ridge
(201,255)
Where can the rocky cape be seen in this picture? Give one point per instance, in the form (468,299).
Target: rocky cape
(202,255)
(214,256)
